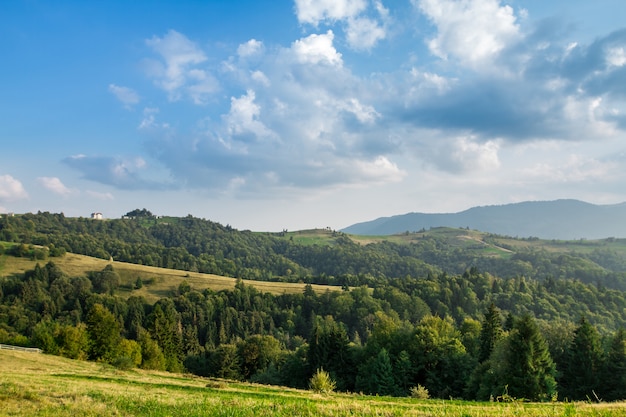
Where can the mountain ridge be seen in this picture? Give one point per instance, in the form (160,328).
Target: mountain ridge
(556,219)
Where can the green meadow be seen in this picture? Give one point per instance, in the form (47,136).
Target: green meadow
(34,384)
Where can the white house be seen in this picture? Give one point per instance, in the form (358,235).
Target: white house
(97,216)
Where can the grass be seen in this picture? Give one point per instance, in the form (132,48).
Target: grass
(158,282)
(44,385)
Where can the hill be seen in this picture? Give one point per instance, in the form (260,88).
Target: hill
(157,282)
(43,385)
(559,219)
(409,311)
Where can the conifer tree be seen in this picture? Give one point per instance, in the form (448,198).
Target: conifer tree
(614,378)
(581,376)
(490,332)
(530,371)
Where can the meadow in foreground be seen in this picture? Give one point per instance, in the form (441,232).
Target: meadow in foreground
(43,385)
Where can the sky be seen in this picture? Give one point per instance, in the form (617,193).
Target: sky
(309,113)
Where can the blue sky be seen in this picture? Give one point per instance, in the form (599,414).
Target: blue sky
(300,114)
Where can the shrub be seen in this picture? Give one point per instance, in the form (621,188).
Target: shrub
(420,392)
(322,383)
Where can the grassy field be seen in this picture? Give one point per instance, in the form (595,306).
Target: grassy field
(158,282)
(42,385)
(482,243)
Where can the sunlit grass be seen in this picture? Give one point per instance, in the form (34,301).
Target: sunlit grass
(158,282)
(44,385)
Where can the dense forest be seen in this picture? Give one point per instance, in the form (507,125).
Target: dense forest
(425,315)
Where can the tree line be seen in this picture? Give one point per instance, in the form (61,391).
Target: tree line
(385,341)
(199,245)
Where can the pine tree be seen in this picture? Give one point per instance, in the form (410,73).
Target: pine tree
(490,332)
(328,349)
(382,374)
(614,379)
(530,371)
(581,376)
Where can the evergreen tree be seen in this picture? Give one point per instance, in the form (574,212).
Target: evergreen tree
(490,332)
(376,376)
(382,374)
(328,349)
(530,371)
(581,376)
(166,331)
(614,378)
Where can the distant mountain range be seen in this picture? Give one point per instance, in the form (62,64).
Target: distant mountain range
(559,219)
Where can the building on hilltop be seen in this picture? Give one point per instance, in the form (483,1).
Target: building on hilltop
(97,216)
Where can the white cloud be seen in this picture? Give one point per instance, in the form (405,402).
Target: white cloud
(315,11)
(11,189)
(250,48)
(317,49)
(476,156)
(380,170)
(474,31)
(260,78)
(364,113)
(55,185)
(616,57)
(364,33)
(243,117)
(126,95)
(178,70)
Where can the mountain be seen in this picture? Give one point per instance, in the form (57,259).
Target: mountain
(559,219)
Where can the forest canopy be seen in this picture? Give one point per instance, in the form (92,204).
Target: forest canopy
(425,312)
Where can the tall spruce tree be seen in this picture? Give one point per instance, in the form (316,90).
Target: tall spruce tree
(530,371)
(328,350)
(614,378)
(580,379)
(490,332)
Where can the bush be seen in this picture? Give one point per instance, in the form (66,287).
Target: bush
(123,362)
(420,392)
(322,383)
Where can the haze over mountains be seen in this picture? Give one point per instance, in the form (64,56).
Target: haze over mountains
(559,219)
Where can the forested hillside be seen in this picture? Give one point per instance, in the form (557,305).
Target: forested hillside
(456,312)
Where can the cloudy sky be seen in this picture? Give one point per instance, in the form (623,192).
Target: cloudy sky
(309,113)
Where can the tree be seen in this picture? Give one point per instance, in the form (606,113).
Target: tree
(376,376)
(490,332)
(328,349)
(256,353)
(151,354)
(441,361)
(165,330)
(581,376)
(105,281)
(530,371)
(614,379)
(104,333)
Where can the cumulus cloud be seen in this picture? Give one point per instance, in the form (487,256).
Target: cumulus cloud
(316,49)
(127,96)
(297,116)
(363,31)
(243,119)
(473,31)
(251,48)
(11,189)
(177,71)
(55,185)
